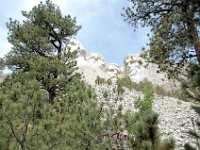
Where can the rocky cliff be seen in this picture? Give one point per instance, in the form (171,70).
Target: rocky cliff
(137,68)
(175,115)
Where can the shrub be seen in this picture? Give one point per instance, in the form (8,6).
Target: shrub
(143,86)
(179,94)
(109,81)
(120,89)
(125,82)
(140,62)
(100,80)
(146,103)
(145,129)
(105,94)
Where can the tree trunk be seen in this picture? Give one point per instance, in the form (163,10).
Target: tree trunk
(194,38)
(197,50)
(52,96)
(192,28)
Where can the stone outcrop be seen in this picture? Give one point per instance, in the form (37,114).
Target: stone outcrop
(138,69)
(175,115)
(175,119)
(135,67)
(75,45)
(93,64)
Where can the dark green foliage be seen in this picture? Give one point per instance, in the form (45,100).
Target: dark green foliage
(82,118)
(188,147)
(105,94)
(195,132)
(37,47)
(123,83)
(119,87)
(100,80)
(142,128)
(72,122)
(190,87)
(43,103)
(117,123)
(146,103)
(109,81)
(1,63)
(21,109)
(1,67)
(145,86)
(145,128)
(175,27)
(126,82)
(194,75)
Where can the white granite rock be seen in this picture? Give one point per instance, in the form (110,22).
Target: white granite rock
(138,69)
(174,115)
(96,58)
(75,45)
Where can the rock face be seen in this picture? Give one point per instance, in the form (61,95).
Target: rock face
(75,45)
(138,69)
(175,115)
(93,64)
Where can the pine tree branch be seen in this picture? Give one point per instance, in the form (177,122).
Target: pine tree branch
(13,132)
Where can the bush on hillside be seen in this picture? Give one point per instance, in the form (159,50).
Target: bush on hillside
(100,80)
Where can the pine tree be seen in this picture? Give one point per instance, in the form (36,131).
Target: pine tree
(175,28)
(38,47)
(1,63)
(145,129)
(44,103)
(29,122)
(20,102)
(1,66)
(195,132)
(193,88)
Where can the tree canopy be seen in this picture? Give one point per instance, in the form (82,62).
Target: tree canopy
(175,27)
(44,104)
(38,47)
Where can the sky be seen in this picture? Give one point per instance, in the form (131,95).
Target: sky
(103,28)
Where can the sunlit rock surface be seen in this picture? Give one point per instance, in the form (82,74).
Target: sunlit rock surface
(138,69)
(175,116)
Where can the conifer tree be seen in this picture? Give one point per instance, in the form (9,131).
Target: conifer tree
(28,122)
(175,28)
(68,116)
(145,129)
(38,47)
(1,63)
(194,133)
(193,86)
